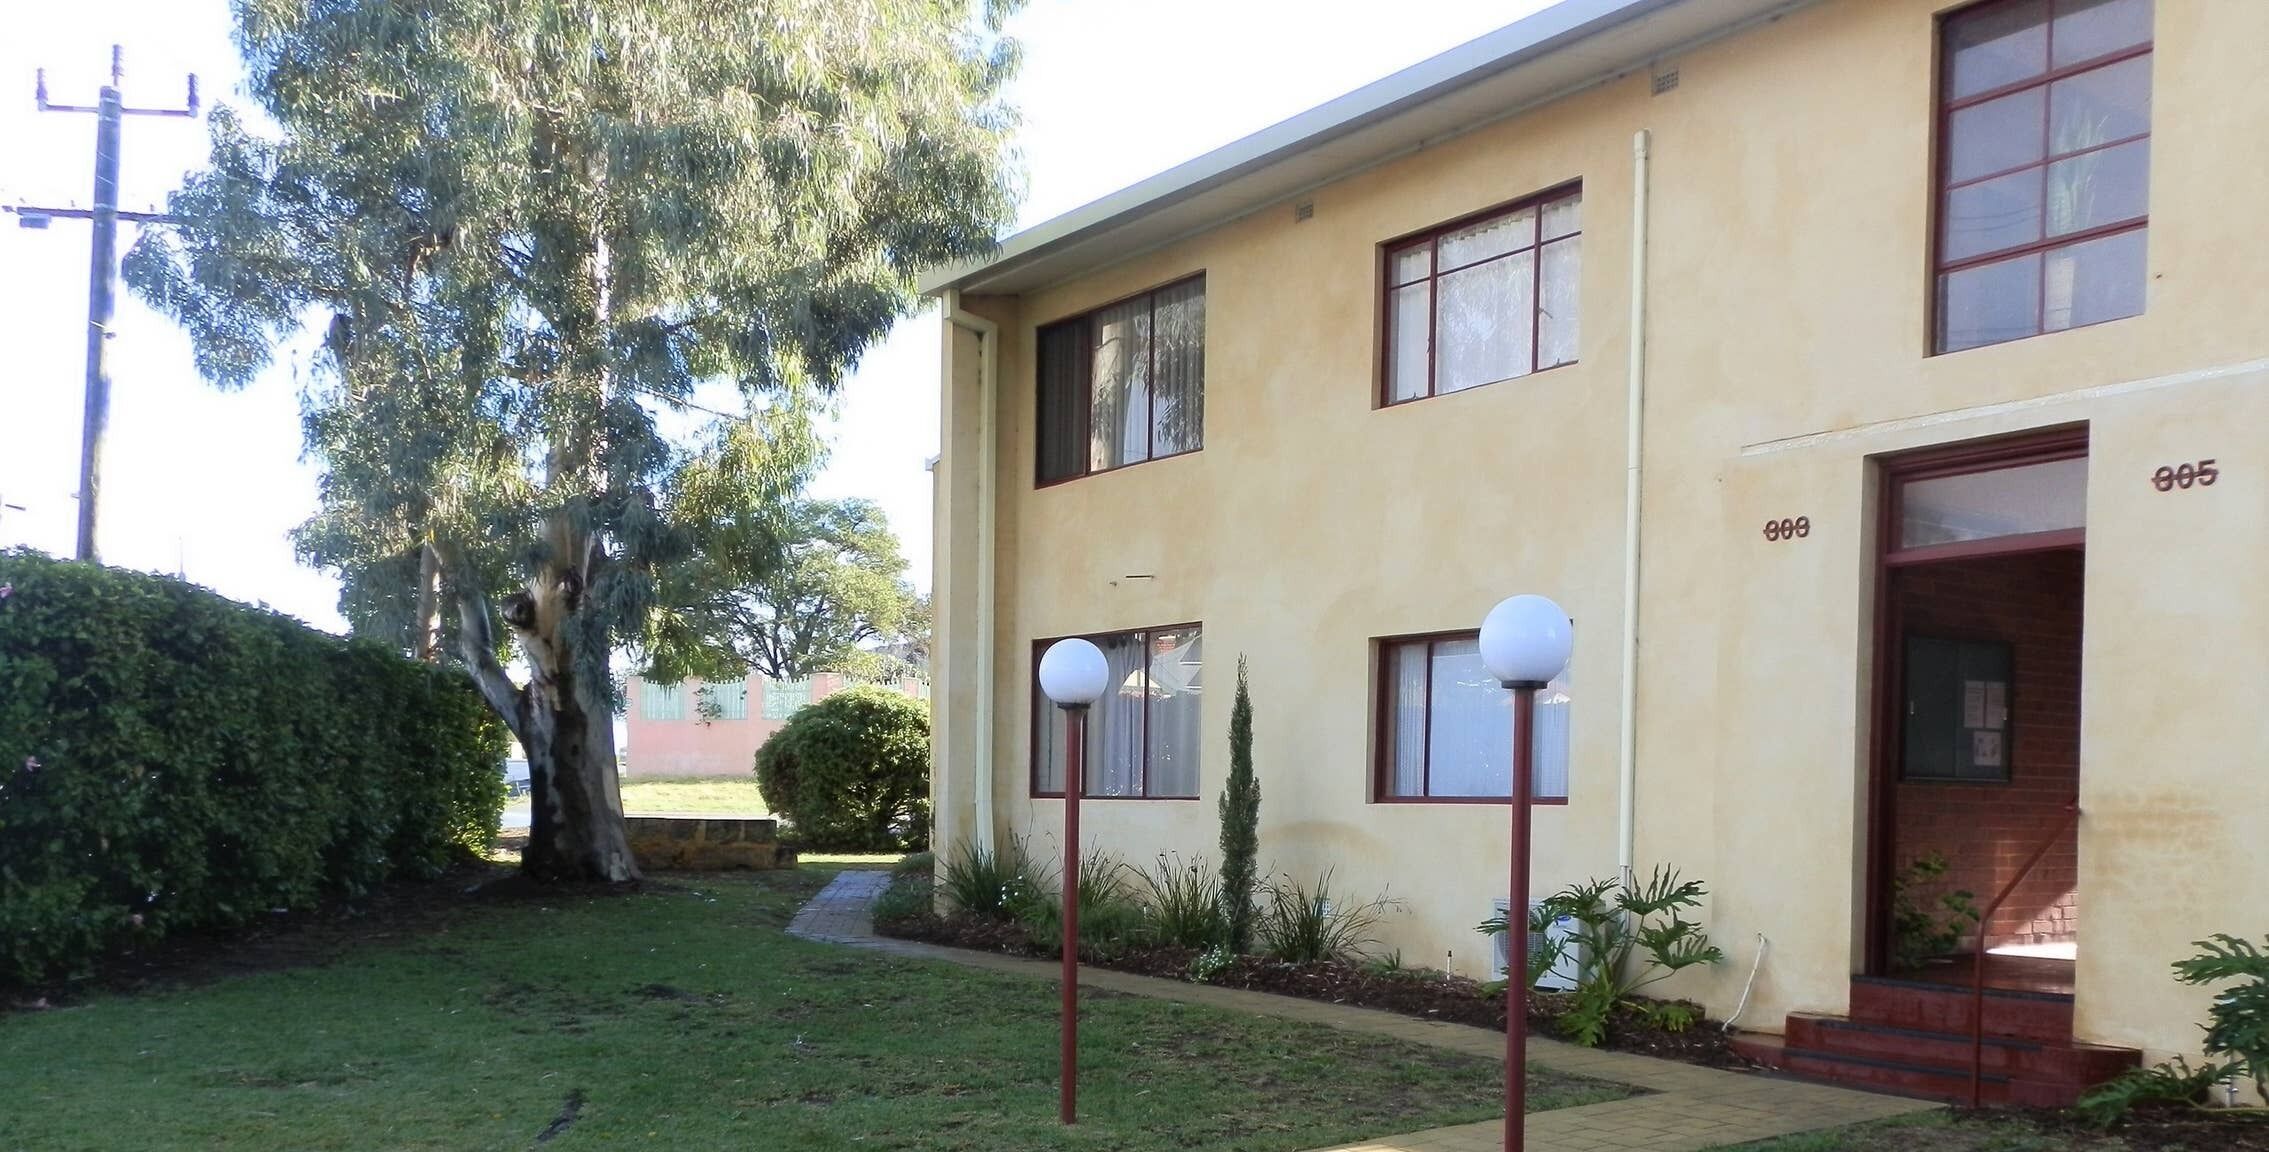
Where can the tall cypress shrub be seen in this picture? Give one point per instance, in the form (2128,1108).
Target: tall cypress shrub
(1240,822)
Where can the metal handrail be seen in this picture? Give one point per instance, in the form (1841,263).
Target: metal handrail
(1977,969)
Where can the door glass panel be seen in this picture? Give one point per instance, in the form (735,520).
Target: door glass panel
(2043,497)
(1997,45)
(1997,135)
(2086,29)
(2098,107)
(2107,186)
(1989,303)
(1990,215)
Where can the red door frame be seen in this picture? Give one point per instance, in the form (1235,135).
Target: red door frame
(1893,474)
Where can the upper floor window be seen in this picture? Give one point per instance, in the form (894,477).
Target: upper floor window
(1446,725)
(1124,383)
(662,701)
(1484,300)
(1143,735)
(2044,169)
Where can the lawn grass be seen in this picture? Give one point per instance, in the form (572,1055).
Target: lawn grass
(1943,1132)
(657,795)
(682,1016)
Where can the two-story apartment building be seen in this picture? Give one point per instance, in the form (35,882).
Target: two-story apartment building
(1875,382)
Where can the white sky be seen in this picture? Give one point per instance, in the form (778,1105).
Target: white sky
(210,482)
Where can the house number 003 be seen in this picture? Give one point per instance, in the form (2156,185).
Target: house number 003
(1786,529)
(2170,477)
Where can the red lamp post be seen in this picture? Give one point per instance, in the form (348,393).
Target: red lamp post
(1075,782)
(1074,674)
(1525,642)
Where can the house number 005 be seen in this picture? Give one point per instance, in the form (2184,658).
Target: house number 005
(2202,474)
(1786,529)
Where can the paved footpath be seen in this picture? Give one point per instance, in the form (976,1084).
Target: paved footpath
(1690,1107)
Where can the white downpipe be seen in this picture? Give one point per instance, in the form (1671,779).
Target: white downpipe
(1627,762)
(988,387)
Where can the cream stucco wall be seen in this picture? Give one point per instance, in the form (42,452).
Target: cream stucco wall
(1786,339)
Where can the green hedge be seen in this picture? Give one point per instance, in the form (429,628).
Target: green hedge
(173,760)
(851,773)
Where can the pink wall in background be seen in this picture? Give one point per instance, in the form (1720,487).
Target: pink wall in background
(684,743)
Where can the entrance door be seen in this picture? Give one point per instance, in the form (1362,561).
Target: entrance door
(1977,710)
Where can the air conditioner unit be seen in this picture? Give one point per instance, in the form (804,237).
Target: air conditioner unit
(1562,977)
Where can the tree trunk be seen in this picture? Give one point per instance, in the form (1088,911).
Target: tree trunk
(577,830)
(429,605)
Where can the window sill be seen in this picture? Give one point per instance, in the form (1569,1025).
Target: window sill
(1038,485)
(1506,801)
(1084,797)
(1383,404)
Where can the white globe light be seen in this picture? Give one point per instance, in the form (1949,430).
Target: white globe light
(1526,640)
(1074,672)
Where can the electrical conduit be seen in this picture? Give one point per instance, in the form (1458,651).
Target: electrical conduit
(1634,419)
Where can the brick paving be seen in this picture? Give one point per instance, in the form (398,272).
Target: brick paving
(1689,1107)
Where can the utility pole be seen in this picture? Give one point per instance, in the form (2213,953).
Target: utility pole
(102,273)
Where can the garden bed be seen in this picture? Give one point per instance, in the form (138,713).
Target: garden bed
(2006,1130)
(1419,992)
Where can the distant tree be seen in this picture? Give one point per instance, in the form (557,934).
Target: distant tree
(838,592)
(1240,822)
(584,267)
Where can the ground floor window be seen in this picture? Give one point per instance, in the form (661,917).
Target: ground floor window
(1143,735)
(1446,725)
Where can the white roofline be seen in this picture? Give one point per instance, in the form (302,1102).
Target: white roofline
(1524,40)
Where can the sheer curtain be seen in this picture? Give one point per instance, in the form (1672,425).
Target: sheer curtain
(1120,431)
(1176,662)
(1408,703)
(1114,766)
(1469,726)
(1455,738)
(1177,386)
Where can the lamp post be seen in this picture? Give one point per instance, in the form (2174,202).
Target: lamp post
(1525,642)
(1074,674)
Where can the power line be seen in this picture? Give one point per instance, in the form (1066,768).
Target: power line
(110,112)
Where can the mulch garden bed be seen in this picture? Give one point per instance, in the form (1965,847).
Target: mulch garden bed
(2190,1130)
(1423,993)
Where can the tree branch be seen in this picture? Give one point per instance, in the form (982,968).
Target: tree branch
(476,646)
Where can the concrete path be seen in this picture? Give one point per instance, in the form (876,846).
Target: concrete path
(1689,1108)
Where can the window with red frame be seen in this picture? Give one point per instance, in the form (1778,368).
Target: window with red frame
(2044,168)
(1123,384)
(1484,299)
(1446,725)
(1143,735)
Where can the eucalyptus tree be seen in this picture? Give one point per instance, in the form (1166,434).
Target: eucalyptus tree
(838,591)
(582,270)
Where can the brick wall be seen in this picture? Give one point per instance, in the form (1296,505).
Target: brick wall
(1985,831)
(692,746)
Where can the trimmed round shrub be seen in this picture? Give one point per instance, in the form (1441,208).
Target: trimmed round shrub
(851,773)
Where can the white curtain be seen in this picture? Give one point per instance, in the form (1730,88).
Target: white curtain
(1456,740)
(1114,762)
(1176,662)
(1120,431)
(1177,385)
(1469,726)
(1409,718)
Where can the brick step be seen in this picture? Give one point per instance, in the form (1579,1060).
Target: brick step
(1900,1078)
(1945,1008)
(2052,1061)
